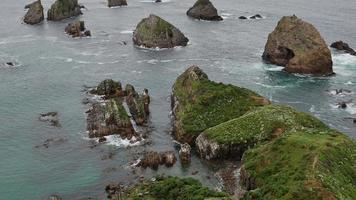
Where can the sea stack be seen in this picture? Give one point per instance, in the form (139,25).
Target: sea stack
(154,32)
(77,29)
(34,14)
(62,9)
(114,3)
(205,10)
(298,46)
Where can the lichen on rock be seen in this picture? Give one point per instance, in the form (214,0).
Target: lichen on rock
(298,46)
(155,32)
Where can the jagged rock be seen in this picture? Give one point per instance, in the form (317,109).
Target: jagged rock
(205,10)
(77,29)
(199,103)
(110,118)
(34,14)
(299,47)
(109,88)
(51,117)
(234,137)
(184,153)
(342,46)
(63,9)
(114,3)
(138,104)
(154,32)
(154,159)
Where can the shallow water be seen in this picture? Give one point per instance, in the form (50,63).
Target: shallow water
(51,69)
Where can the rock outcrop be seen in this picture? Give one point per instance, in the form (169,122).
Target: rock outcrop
(114,3)
(63,9)
(109,88)
(199,103)
(299,47)
(154,159)
(77,29)
(342,46)
(309,164)
(184,153)
(154,32)
(234,137)
(34,14)
(138,104)
(205,10)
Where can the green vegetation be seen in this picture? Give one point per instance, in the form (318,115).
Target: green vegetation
(156,27)
(310,164)
(172,188)
(115,112)
(204,103)
(262,124)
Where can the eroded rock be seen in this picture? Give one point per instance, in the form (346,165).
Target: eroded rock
(62,9)
(342,46)
(154,32)
(205,10)
(77,29)
(154,159)
(299,47)
(34,14)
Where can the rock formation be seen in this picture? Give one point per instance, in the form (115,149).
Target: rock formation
(154,32)
(34,14)
(199,103)
(138,104)
(154,159)
(204,9)
(184,153)
(114,3)
(51,117)
(77,29)
(342,46)
(63,9)
(299,47)
(109,88)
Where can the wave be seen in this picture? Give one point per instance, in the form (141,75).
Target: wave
(126,32)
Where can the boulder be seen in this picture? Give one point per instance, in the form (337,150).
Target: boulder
(199,103)
(234,137)
(138,104)
(34,14)
(309,164)
(342,46)
(184,153)
(114,3)
(62,9)
(299,47)
(205,10)
(77,29)
(154,32)
(154,159)
(110,118)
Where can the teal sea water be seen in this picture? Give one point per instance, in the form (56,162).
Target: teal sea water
(52,68)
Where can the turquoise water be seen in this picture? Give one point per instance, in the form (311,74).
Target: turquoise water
(51,69)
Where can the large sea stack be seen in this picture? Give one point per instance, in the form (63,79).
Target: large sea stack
(299,47)
(205,10)
(154,32)
(63,9)
(34,14)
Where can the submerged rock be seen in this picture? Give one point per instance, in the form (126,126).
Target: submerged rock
(257,16)
(205,10)
(63,9)
(154,159)
(138,104)
(184,153)
(77,29)
(234,137)
(199,103)
(114,3)
(51,117)
(154,32)
(54,197)
(108,119)
(242,17)
(299,47)
(34,14)
(342,46)
(309,164)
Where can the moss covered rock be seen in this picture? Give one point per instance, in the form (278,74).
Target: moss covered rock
(311,164)
(172,188)
(34,14)
(299,47)
(199,103)
(154,32)
(62,9)
(235,136)
(204,9)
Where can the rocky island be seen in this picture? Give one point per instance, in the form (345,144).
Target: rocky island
(205,10)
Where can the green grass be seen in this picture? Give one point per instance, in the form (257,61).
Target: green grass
(262,124)
(313,164)
(204,103)
(172,188)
